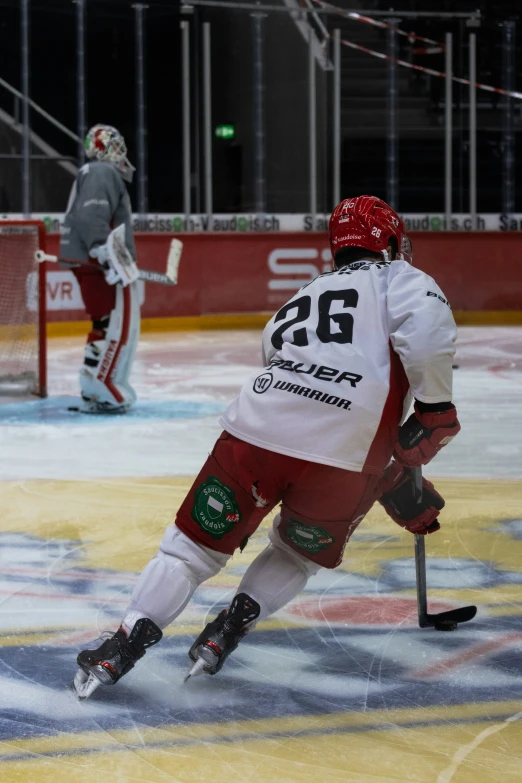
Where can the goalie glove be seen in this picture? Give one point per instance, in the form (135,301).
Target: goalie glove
(114,257)
(424,434)
(101,254)
(399,498)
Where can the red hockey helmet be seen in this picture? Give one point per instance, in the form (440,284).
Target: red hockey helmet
(368,222)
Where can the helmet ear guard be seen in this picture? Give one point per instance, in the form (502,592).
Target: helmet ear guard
(406,249)
(404,253)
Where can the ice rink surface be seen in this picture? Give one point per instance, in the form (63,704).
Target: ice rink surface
(341,684)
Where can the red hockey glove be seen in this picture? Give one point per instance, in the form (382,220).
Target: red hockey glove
(399,499)
(423,435)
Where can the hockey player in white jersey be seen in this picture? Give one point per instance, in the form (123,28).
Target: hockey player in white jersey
(98,203)
(315,431)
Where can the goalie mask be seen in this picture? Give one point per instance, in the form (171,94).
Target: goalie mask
(105,143)
(367,222)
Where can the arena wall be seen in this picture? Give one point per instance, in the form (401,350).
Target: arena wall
(237,279)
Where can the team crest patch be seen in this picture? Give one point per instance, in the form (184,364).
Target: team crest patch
(215,508)
(311,538)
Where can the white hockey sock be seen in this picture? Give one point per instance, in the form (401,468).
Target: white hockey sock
(276,575)
(167,583)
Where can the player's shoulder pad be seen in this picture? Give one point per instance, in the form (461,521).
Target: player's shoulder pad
(415,280)
(406,271)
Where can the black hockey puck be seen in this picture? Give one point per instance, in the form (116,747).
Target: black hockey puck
(455,366)
(446,625)
(73,409)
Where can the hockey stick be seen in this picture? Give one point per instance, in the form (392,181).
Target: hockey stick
(443,621)
(149,275)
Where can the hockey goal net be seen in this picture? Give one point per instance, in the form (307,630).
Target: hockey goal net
(22,309)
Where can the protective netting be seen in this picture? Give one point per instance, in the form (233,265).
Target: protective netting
(19,310)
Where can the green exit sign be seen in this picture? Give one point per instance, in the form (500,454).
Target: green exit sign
(225,131)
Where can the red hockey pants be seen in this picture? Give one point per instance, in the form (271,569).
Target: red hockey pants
(240,484)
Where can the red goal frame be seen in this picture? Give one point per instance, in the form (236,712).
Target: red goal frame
(42,296)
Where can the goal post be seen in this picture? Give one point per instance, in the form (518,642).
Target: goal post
(23,359)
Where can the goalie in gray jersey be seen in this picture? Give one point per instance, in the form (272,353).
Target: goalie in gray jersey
(99,202)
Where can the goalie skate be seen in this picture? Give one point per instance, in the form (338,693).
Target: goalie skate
(114,657)
(221,637)
(99,408)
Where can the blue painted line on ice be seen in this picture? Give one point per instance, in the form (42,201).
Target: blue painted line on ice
(54,410)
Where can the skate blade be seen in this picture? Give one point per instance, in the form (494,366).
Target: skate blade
(84,685)
(95,411)
(197,669)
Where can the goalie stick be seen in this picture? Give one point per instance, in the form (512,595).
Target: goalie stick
(443,621)
(170,277)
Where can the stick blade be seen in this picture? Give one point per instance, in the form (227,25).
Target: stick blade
(462,615)
(174,257)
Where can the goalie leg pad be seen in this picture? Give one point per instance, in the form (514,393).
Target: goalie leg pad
(104,377)
(128,351)
(167,583)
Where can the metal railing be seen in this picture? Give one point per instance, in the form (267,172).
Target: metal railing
(20,96)
(29,137)
(307,14)
(319,179)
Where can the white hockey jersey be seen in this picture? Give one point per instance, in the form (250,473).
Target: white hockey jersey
(342,359)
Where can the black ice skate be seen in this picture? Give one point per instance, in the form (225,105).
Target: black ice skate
(221,637)
(114,657)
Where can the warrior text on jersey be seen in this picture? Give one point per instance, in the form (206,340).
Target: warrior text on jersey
(342,357)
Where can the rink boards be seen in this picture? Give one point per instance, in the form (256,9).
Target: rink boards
(342,683)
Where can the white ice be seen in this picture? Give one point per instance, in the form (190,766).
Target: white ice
(323,655)
(185,379)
